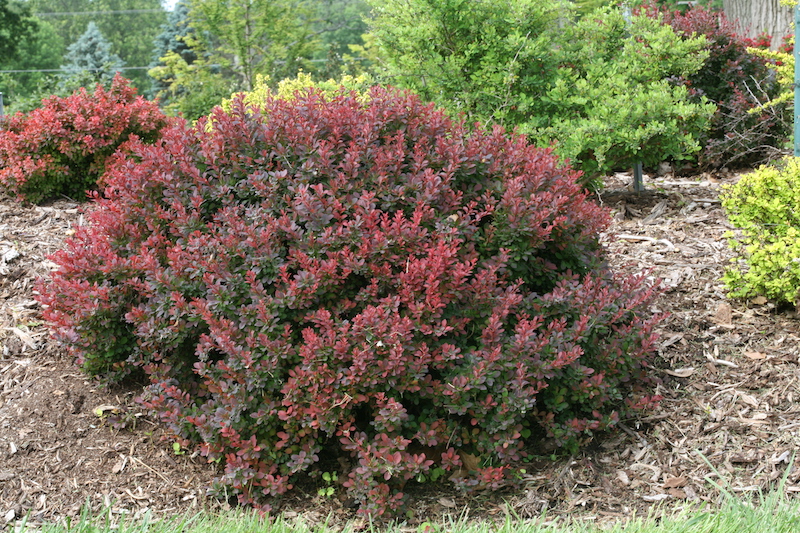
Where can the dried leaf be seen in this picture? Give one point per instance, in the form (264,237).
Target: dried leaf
(749,400)
(680,372)
(672,340)
(755,355)
(623,477)
(118,466)
(677,493)
(447,502)
(470,462)
(759,300)
(24,337)
(676,482)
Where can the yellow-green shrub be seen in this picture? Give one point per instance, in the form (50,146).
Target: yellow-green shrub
(765,206)
(287,88)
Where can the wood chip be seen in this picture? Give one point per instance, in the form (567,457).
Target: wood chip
(741,458)
(680,372)
(24,337)
(724,314)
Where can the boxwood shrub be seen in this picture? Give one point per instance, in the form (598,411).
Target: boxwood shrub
(764,206)
(329,276)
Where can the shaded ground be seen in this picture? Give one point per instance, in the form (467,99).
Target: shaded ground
(730,382)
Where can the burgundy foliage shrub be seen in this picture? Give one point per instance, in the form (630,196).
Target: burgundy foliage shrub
(61,148)
(738,82)
(319,277)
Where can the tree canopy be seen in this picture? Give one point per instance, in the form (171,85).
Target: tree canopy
(130,26)
(16,25)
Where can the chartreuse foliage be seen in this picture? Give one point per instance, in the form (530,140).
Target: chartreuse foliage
(339,275)
(61,148)
(287,88)
(765,206)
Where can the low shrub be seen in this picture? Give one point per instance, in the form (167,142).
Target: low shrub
(287,88)
(613,105)
(328,275)
(739,81)
(62,147)
(764,205)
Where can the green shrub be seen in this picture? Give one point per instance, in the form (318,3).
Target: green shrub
(765,206)
(361,277)
(489,59)
(599,89)
(614,103)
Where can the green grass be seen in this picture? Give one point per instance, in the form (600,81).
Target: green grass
(772,514)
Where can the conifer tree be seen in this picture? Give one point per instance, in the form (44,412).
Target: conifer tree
(90,61)
(172,39)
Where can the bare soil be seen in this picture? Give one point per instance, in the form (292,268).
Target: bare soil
(730,371)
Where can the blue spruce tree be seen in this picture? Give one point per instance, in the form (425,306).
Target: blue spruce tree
(90,61)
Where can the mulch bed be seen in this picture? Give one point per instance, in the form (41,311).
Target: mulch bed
(730,372)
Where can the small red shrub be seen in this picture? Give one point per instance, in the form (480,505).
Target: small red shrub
(62,147)
(370,279)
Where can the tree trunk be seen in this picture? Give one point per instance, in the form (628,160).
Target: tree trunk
(754,17)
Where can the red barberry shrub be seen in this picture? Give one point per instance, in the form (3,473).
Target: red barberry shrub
(61,148)
(739,83)
(359,276)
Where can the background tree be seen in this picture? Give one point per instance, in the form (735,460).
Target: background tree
(489,59)
(90,61)
(41,50)
(129,25)
(172,39)
(16,25)
(765,16)
(341,26)
(249,37)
